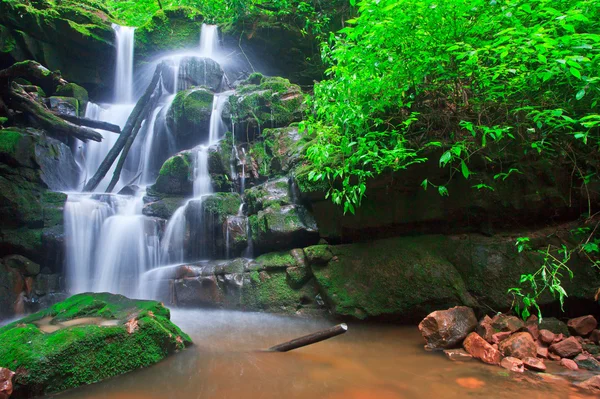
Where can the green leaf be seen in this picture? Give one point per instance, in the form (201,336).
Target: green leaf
(580,94)
(575,72)
(424,184)
(464,169)
(445,158)
(443,191)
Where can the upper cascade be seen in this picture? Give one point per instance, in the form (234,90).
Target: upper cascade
(209,40)
(123,91)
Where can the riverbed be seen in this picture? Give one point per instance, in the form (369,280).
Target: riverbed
(369,361)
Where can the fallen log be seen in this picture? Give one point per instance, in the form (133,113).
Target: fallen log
(144,115)
(310,339)
(50,122)
(109,127)
(126,132)
(34,72)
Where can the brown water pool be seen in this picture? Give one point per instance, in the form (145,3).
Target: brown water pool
(368,362)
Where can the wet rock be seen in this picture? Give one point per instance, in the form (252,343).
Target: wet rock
(582,326)
(235,232)
(595,336)
(176,175)
(513,364)
(198,71)
(189,117)
(547,337)
(501,336)
(286,147)
(6,383)
(64,105)
(47,284)
(446,329)
(25,266)
(569,347)
(273,192)
(554,325)
(457,354)
(553,356)
(587,362)
(542,352)
(75,91)
(535,364)
(591,349)
(283,227)
(570,364)
(199,291)
(559,337)
(531,326)
(480,349)
(592,384)
(485,329)
(503,322)
(519,345)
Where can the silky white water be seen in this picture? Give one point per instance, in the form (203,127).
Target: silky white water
(123,91)
(209,40)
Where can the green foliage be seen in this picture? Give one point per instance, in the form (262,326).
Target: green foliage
(471,77)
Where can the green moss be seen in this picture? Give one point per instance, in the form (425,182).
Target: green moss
(318,254)
(275,260)
(305,185)
(79,355)
(75,91)
(9,141)
(179,166)
(271,292)
(222,205)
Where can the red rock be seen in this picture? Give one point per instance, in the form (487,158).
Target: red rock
(457,354)
(580,340)
(520,345)
(570,364)
(6,386)
(535,364)
(502,322)
(531,326)
(593,384)
(595,336)
(513,364)
(501,336)
(485,329)
(547,337)
(569,347)
(542,352)
(444,329)
(559,337)
(582,325)
(480,349)
(470,382)
(553,356)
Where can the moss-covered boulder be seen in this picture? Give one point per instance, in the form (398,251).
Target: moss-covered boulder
(235,231)
(162,207)
(169,29)
(199,71)
(86,339)
(189,117)
(286,146)
(176,175)
(220,166)
(74,91)
(63,105)
(282,227)
(66,37)
(273,192)
(265,102)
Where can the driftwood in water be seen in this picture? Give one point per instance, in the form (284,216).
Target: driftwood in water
(35,73)
(109,127)
(310,339)
(144,114)
(132,121)
(49,121)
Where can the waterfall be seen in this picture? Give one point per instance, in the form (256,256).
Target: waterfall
(124,36)
(209,40)
(202,185)
(217,125)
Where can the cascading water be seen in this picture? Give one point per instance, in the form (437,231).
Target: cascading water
(209,40)
(124,70)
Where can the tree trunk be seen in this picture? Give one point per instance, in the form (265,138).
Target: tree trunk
(46,119)
(35,73)
(126,132)
(310,339)
(144,115)
(109,127)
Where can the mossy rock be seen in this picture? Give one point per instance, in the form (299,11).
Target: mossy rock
(286,147)
(189,117)
(64,105)
(169,29)
(75,91)
(219,165)
(176,175)
(271,193)
(274,102)
(68,355)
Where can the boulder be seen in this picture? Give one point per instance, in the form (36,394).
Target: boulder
(25,266)
(286,148)
(480,349)
(531,326)
(547,337)
(445,329)
(63,105)
(199,71)
(519,345)
(188,117)
(595,336)
(569,347)
(582,326)
(502,322)
(52,354)
(554,325)
(273,192)
(587,362)
(485,329)
(457,355)
(535,364)
(501,336)
(513,364)
(6,384)
(176,175)
(222,175)
(235,232)
(283,227)
(542,352)
(568,363)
